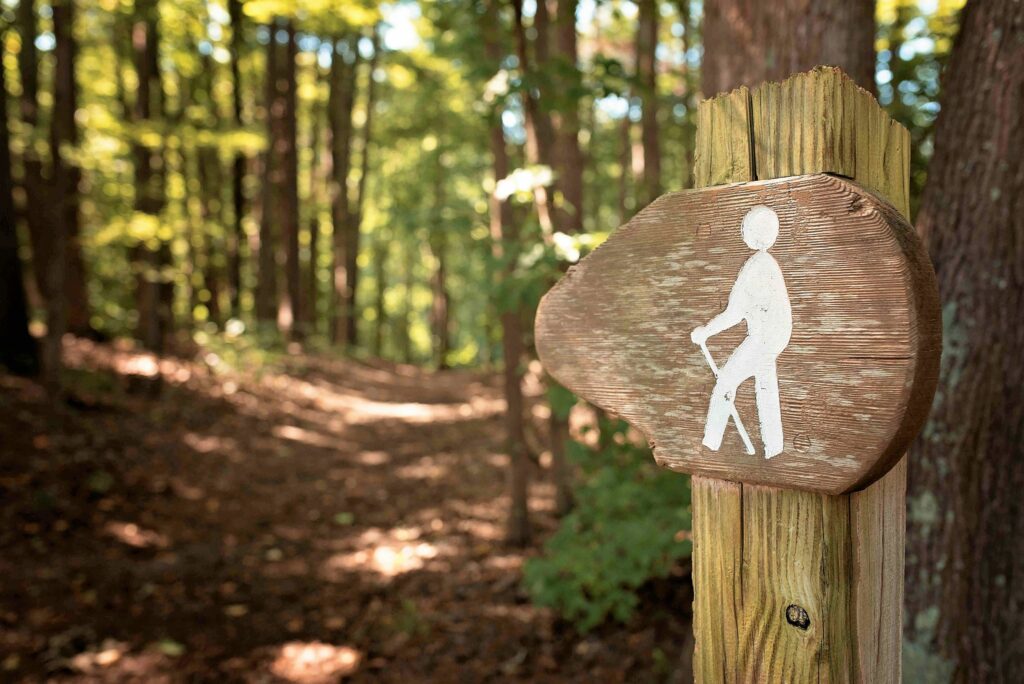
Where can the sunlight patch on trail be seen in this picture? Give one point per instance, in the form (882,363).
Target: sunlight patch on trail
(360,410)
(425,468)
(314,661)
(373,458)
(386,553)
(205,444)
(297,434)
(135,536)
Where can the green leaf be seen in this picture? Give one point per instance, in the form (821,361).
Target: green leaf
(171,648)
(100,481)
(560,399)
(344,518)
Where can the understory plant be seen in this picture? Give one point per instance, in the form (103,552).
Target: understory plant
(631,524)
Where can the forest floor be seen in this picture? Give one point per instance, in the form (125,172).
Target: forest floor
(310,520)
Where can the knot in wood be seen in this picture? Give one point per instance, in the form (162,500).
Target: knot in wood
(797,616)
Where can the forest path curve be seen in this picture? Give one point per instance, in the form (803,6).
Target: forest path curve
(313,519)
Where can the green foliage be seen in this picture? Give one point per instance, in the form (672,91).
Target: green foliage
(429,171)
(560,400)
(913,46)
(629,526)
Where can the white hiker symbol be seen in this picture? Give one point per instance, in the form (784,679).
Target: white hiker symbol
(758,297)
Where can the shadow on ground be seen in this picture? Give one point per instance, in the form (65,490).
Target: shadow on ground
(329,519)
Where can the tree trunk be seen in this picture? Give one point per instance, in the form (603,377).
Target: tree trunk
(154,289)
(438,243)
(380,259)
(965,566)
(33,184)
(356,216)
(340,103)
(273,301)
(647,74)
(441,300)
(64,133)
(237,237)
(210,178)
(625,165)
(555,144)
(750,41)
(566,124)
(17,348)
(406,332)
(292,303)
(539,138)
(504,240)
(316,181)
(568,164)
(689,96)
(48,244)
(281,214)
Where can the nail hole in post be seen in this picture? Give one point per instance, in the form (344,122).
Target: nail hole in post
(797,616)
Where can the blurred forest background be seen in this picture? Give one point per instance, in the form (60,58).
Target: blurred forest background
(274,264)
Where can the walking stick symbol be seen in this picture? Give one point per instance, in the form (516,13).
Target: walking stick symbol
(732,403)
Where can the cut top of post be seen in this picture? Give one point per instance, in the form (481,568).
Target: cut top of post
(819,122)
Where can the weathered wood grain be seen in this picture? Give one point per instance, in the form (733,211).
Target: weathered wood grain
(875,535)
(724,151)
(717,579)
(851,135)
(855,379)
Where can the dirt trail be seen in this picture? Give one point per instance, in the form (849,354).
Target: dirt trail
(324,519)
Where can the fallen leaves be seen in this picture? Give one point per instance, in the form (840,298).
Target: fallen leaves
(344,522)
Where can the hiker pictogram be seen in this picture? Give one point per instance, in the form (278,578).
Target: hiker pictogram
(759,298)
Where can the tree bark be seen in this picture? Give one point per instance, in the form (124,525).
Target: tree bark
(67,176)
(279,229)
(48,243)
(439,314)
(438,243)
(154,289)
(32,181)
(380,263)
(625,165)
(356,216)
(18,350)
(237,237)
(280,222)
(553,140)
(539,137)
(341,101)
(316,181)
(687,41)
(505,247)
(211,266)
(290,206)
(647,80)
(750,41)
(406,335)
(566,124)
(965,566)
(568,165)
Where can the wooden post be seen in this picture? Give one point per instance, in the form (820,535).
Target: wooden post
(824,310)
(795,586)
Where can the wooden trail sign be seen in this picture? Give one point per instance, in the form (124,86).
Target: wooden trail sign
(827,338)
(790,314)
